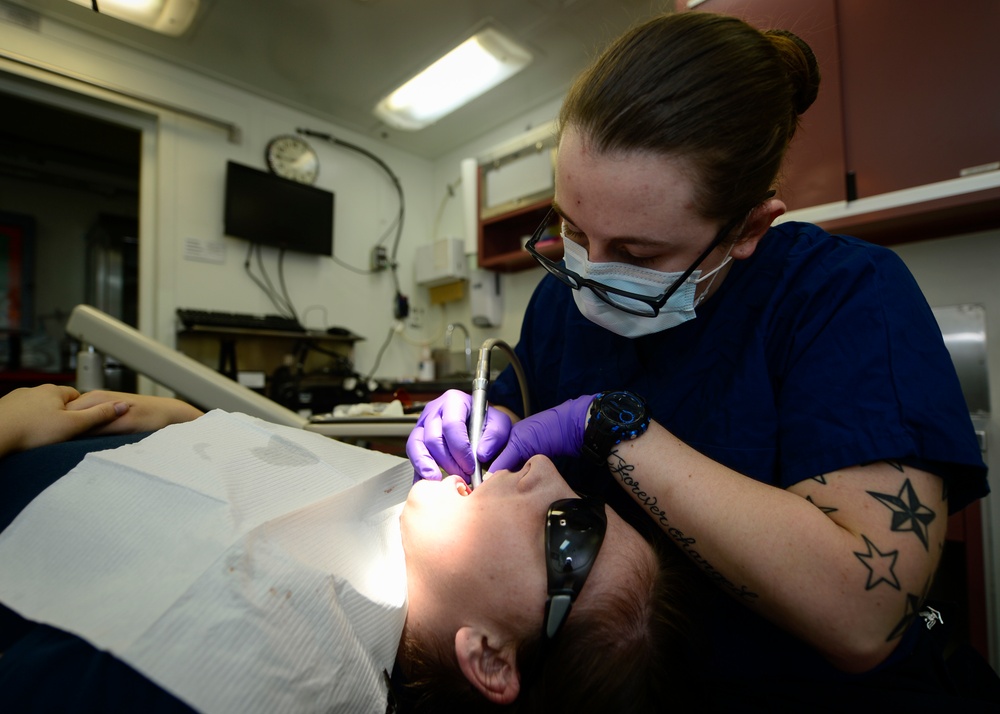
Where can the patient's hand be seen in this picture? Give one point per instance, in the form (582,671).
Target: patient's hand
(145,413)
(37,416)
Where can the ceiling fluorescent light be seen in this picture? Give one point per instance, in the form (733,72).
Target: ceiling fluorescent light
(170,17)
(477,65)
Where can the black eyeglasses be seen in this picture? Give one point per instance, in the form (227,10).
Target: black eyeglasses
(624,300)
(574,532)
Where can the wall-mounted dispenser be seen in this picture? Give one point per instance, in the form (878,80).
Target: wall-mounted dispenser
(441,262)
(486,298)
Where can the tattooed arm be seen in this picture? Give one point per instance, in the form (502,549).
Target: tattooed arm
(842,561)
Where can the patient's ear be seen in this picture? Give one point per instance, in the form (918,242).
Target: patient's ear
(492,670)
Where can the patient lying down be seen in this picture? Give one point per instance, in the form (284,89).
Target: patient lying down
(270,513)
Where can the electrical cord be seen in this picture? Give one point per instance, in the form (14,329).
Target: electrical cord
(284,286)
(401,303)
(359,271)
(449,194)
(381,351)
(397,223)
(281,303)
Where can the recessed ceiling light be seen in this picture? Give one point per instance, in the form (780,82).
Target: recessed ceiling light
(170,17)
(474,67)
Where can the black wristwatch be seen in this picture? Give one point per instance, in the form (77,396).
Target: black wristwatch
(614,417)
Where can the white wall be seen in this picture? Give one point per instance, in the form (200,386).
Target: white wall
(183,181)
(958,271)
(182,193)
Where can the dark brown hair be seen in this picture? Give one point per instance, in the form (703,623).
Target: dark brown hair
(626,651)
(708,88)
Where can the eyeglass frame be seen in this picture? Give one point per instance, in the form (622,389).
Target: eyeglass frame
(576,282)
(564,585)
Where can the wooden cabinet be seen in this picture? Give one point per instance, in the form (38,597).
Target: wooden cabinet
(908,99)
(921,102)
(961,576)
(814,171)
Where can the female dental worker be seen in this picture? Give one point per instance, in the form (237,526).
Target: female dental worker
(808,437)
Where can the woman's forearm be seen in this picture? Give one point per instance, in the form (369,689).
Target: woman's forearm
(836,574)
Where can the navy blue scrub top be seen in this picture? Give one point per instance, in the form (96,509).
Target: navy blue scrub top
(817,353)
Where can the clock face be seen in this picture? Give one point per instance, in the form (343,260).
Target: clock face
(292,158)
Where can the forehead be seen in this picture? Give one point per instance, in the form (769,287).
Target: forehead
(644,187)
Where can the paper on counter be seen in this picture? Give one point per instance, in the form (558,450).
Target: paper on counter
(243,566)
(382,409)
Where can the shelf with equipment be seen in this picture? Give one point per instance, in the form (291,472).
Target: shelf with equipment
(502,237)
(514,187)
(258,350)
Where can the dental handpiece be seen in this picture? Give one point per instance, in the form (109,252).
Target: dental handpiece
(477,419)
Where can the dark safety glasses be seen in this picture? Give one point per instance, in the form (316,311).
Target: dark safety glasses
(625,300)
(574,532)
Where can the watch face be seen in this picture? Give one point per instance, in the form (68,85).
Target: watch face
(292,158)
(623,407)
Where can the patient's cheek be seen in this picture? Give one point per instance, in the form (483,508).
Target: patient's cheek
(434,508)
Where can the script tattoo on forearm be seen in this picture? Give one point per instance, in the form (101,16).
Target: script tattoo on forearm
(623,471)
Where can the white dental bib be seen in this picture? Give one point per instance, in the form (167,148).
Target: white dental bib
(242,566)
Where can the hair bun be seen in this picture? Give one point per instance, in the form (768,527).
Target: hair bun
(800,65)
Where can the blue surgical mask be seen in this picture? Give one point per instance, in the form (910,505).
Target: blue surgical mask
(679,308)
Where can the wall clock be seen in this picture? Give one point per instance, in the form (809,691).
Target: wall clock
(292,158)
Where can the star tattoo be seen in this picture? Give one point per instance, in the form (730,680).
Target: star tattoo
(880,565)
(909,612)
(824,509)
(912,604)
(908,513)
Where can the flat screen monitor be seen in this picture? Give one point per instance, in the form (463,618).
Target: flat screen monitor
(269,210)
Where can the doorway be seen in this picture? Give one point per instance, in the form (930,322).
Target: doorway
(69,181)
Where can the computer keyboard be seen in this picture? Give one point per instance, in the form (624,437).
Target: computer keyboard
(208,318)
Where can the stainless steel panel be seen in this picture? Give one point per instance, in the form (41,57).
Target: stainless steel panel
(964,330)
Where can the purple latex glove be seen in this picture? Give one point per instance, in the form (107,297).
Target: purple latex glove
(554,432)
(440,440)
